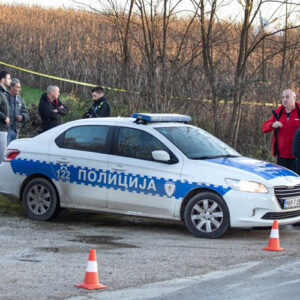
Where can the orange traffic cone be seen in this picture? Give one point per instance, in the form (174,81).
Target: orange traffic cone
(91,281)
(274,239)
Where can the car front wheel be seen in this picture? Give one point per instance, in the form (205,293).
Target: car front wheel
(206,215)
(40,199)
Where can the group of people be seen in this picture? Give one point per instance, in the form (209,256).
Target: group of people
(13,111)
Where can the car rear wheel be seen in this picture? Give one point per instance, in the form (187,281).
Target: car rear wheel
(206,215)
(40,199)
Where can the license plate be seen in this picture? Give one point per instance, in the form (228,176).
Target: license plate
(290,203)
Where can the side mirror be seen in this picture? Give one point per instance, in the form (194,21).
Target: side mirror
(161,155)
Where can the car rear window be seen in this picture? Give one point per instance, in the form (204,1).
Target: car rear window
(86,138)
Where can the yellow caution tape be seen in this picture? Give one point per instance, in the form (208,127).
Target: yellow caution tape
(60,78)
(250,103)
(122,90)
(231,102)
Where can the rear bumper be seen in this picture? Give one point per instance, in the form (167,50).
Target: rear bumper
(10,182)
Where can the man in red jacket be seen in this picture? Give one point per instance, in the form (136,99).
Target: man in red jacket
(284,124)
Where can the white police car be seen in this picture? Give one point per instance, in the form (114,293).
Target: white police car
(150,165)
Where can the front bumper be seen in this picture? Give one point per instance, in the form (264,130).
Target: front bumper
(258,210)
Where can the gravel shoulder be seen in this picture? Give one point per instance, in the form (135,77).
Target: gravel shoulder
(44,260)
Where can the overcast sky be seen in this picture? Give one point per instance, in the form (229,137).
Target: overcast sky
(47,3)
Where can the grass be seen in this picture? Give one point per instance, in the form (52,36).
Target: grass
(31,95)
(7,206)
(76,104)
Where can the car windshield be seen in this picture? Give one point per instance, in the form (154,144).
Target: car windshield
(196,143)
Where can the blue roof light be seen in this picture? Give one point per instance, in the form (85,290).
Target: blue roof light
(161,117)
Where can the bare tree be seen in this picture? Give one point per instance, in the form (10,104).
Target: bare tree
(212,37)
(162,63)
(251,10)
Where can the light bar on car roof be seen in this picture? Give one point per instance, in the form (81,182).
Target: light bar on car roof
(161,117)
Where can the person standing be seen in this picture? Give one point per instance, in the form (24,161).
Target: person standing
(51,109)
(5,81)
(4,123)
(101,107)
(296,150)
(18,110)
(4,111)
(284,124)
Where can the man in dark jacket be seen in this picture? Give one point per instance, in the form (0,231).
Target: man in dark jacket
(18,110)
(51,108)
(4,111)
(296,149)
(101,107)
(5,81)
(4,123)
(296,153)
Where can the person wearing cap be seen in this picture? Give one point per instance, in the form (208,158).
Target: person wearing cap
(284,124)
(18,110)
(101,107)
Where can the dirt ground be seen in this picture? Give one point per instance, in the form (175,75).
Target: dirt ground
(43,260)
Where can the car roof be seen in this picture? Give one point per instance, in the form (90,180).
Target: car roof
(111,121)
(123,121)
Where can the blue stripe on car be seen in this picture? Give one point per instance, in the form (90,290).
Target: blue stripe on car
(263,169)
(112,180)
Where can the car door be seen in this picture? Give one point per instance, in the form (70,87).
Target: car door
(80,165)
(137,183)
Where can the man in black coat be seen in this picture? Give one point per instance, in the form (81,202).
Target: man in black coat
(101,107)
(4,123)
(51,108)
(296,153)
(5,81)
(296,149)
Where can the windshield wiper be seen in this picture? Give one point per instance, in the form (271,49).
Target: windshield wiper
(204,157)
(229,155)
(215,156)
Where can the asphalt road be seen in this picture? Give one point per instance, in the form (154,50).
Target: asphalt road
(140,259)
(266,279)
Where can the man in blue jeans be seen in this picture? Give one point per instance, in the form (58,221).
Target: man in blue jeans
(18,110)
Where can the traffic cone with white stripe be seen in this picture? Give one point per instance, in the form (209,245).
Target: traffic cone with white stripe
(91,281)
(274,239)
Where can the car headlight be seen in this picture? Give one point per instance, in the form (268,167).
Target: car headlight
(247,186)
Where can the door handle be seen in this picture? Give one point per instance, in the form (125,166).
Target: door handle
(119,168)
(63,161)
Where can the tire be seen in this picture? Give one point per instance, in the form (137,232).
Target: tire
(206,215)
(40,199)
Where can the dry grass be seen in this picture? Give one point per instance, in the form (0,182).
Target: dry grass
(88,47)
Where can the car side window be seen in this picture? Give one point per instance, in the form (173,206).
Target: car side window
(86,138)
(138,144)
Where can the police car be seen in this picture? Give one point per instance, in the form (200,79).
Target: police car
(150,165)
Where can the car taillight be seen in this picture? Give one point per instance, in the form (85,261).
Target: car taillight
(11,154)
